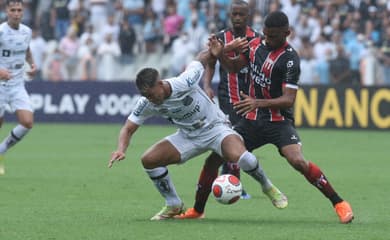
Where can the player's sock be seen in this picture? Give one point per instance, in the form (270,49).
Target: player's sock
(233,169)
(251,166)
(14,137)
(318,179)
(164,185)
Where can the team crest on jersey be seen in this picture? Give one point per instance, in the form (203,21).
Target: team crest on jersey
(187,100)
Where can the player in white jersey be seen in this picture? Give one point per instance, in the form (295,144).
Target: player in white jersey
(202,127)
(14,52)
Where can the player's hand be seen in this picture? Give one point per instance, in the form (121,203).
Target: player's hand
(239,45)
(116,156)
(248,104)
(32,71)
(215,46)
(5,74)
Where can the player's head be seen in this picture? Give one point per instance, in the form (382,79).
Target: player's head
(150,85)
(14,9)
(276,29)
(239,14)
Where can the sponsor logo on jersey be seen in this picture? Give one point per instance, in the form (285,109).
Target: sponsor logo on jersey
(140,107)
(193,79)
(189,114)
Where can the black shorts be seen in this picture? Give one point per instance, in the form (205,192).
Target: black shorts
(258,133)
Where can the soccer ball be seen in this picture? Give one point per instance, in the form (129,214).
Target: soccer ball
(227,189)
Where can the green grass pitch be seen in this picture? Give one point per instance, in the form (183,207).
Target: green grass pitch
(57,186)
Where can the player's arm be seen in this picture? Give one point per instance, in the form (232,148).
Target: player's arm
(30,61)
(248,104)
(208,77)
(125,135)
(230,64)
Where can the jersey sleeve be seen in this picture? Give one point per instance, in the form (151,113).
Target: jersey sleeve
(188,79)
(141,111)
(292,71)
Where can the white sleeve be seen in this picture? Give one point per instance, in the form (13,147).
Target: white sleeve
(189,78)
(141,112)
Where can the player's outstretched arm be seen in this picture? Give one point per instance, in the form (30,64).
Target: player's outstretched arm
(208,77)
(124,138)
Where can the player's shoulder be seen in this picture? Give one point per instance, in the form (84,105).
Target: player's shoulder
(141,105)
(25,29)
(251,33)
(3,26)
(291,53)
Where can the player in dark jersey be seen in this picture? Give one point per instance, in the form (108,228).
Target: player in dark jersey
(230,84)
(274,69)
(229,89)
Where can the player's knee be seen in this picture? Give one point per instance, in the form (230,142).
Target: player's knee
(148,161)
(247,161)
(27,124)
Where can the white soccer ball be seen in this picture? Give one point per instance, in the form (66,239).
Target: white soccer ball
(227,189)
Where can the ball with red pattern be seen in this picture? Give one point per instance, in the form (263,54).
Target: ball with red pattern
(227,189)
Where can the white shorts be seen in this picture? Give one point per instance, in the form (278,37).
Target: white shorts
(211,139)
(15,96)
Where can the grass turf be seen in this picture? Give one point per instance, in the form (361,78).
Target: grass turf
(57,186)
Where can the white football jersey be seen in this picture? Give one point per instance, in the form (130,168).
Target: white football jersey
(188,107)
(13,48)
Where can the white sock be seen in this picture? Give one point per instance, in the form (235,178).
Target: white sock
(164,185)
(251,166)
(14,137)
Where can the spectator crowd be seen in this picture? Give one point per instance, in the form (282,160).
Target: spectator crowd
(339,41)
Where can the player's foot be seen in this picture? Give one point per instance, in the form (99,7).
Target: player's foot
(168,212)
(245,195)
(191,213)
(344,211)
(278,199)
(2,168)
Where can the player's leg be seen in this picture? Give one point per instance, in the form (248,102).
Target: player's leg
(314,175)
(154,161)
(207,176)
(230,167)
(19,101)
(25,119)
(174,149)
(233,150)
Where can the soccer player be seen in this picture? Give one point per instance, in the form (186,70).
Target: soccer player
(229,89)
(202,126)
(14,51)
(230,84)
(274,69)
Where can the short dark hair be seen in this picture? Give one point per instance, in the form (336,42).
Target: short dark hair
(276,19)
(146,78)
(8,2)
(240,2)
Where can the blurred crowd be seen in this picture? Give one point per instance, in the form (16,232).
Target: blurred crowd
(339,41)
